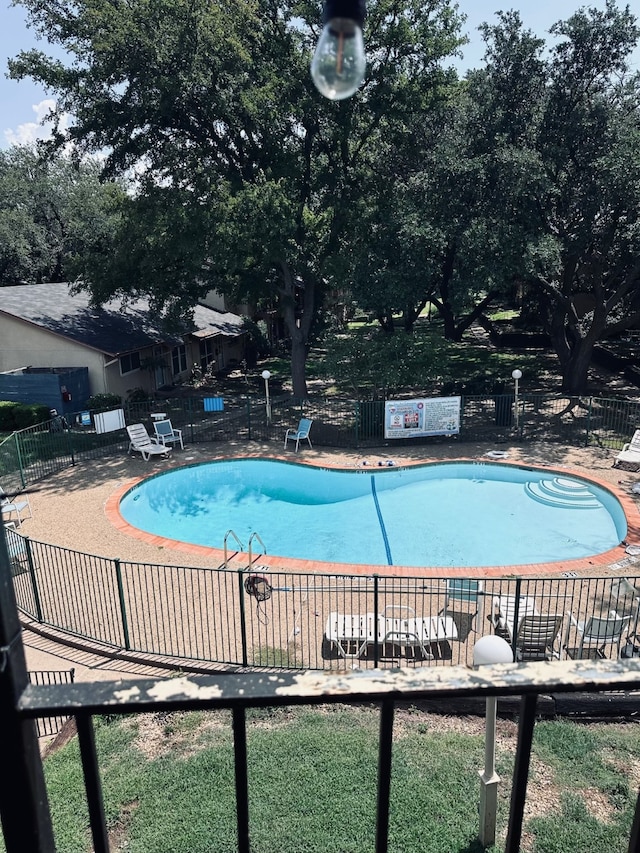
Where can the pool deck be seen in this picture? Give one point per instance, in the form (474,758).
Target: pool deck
(77,509)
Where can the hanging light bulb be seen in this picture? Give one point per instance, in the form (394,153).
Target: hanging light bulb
(339,62)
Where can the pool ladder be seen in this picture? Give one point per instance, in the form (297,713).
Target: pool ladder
(253,536)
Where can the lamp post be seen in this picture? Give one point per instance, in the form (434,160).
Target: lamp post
(517,375)
(266,375)
(490,649)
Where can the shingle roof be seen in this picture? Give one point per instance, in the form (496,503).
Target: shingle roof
(114,329)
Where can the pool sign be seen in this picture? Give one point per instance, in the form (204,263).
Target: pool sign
(417,418)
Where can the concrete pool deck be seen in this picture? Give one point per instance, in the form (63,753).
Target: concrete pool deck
(76,509)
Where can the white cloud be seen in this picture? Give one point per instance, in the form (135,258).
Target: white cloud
(28,133)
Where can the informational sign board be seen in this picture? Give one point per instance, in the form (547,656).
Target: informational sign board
(419,418)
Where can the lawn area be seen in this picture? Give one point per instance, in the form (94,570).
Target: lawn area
(168,783)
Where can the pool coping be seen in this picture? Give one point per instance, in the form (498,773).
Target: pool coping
(277,563)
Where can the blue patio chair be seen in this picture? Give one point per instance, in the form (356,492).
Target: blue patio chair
(299,434)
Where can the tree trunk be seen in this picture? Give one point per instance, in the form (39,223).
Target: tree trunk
(298,321)
(575,369)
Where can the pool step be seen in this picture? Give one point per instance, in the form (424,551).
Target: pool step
(561,492)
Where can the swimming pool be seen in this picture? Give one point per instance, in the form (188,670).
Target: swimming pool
(432,515)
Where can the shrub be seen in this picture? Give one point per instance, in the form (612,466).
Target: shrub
(6,415)
(103,402)
(20,415)
(30,414)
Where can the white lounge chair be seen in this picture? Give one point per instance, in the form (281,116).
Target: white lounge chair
(166,434)
(598,632)
(629,456)
(503,616)
(299,434)
(141,441)
(14,506)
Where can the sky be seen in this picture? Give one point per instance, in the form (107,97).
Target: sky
(22,104)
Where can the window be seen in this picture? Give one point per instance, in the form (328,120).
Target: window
(129,363)
(208,353)
(179,359)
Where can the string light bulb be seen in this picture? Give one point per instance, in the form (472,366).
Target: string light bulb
(339,61)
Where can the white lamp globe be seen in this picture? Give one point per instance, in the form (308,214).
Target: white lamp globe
(517,374)
(266,374)
(492,649)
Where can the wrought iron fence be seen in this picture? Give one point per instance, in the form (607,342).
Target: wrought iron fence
(46,726)
(262,617)
(36,452)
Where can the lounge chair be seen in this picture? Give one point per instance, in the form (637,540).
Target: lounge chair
(629,456)
(598,632)
(299,434)
(16,505)
(166,434)
(507,609)
(141,441)
(536,637)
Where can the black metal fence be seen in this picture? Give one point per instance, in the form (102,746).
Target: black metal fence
(260,617)
(46,726)
(36,452)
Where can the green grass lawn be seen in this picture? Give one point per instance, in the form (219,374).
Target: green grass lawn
(168,784)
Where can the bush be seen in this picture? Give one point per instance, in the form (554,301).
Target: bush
(103,402)
(20,415)
(30,414)
(6,415)
(137,395)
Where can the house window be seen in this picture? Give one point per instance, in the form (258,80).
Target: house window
(208,353)
(129,363)
(179,359)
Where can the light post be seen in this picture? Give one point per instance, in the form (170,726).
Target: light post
(490,649)
(517,375)
(266,375)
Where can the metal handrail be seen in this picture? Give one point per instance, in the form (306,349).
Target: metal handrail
(257,536)
(226,537)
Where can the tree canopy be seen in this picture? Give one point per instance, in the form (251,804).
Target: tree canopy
(52,213)
(523,178)
(213,105)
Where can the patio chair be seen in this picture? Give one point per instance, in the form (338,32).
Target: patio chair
(629,456)
(16,505)
(141,441)
(598,632)
(503,616)
(299,434)
(537,636)
(462,591)
(166,434)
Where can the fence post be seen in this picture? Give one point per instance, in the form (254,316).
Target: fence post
(586,438)
(34,580)
(70,445)
(376,650)
(190,415)
(516,618)
(123,609)
(243,619)
(249,417)
(23,480)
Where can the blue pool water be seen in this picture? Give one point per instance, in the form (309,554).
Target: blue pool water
(445,514)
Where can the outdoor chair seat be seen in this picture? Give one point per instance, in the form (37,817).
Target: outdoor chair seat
(17,506)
